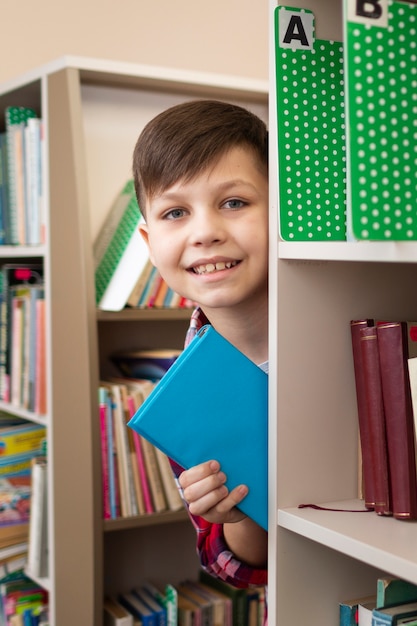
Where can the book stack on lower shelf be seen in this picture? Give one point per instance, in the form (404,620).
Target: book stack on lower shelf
(382,352)
(394,602)
(207,601)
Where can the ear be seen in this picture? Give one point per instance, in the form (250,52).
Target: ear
(143,229)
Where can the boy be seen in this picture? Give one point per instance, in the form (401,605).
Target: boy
(201,179)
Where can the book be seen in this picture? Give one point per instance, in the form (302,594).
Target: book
(365,612)
(15,498)
(205,606)
(38,525)
(115,614)
(397,341)
(310,129)
(391,591)
(138,608)
(375,404)
(168,598)
(120,253)
(150,364)
(381,117)
(40,393)
(222,605)
(150,601)
(349,610)
(21,438)
(141,281)
(398,614)
(172,494)
(105,478)
(363,417)
(234,406)
(237,596)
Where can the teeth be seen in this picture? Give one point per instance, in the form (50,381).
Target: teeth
(213,267)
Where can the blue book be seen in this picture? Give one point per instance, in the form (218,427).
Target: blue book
(213,404)
(159,610)
(399,614)
(140,610)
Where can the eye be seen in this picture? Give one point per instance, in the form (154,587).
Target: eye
(174,214)
(234,203)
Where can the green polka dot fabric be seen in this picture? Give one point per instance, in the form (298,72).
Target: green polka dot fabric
(311,130)
(381,64)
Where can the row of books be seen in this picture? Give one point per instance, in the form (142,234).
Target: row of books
(393,602)
(136,477)
(21,188)
(22,336)
(207,601)
(385,367)
(344,163)
(124,274)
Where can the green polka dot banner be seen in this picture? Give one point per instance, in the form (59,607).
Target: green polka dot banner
(311,130)
(381,68)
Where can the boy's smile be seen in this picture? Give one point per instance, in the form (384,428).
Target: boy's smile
(208,236)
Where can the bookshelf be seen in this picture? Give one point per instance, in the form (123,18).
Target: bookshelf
(93,112)
(318,558)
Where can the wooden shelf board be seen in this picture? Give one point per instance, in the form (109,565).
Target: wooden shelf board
(140,521)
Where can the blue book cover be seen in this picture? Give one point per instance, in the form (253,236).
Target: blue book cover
(213,404)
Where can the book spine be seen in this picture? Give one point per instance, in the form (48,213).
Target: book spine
(363,418)
(392,344)
(372,372)
(142,473)
(104,454)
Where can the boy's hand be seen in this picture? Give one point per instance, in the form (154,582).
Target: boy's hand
(208,497)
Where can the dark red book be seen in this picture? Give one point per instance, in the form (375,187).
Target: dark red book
(363,418)
(375,407)
(397,341)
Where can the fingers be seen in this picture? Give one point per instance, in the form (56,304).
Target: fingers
(207,496)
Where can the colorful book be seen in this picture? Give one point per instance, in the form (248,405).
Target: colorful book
(397,341)
(21,438)
(235,407)
(237,596)
(120,253)
(149,600)
(138,608)
(375,405)
(310,130)
(381,118)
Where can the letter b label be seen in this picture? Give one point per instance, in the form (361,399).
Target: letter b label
(371,12)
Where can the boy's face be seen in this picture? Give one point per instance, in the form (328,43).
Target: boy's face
(209,236)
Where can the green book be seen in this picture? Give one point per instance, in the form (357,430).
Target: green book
(120,254)
(390,591)
(310,130)
(381,92)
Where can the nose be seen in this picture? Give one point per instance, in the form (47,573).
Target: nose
(207,228)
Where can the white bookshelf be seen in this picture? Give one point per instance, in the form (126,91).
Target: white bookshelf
(318,558)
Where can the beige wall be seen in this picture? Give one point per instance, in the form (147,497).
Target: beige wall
(222,36)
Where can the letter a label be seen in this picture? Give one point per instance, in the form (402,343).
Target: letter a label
(296,29)
(370,12)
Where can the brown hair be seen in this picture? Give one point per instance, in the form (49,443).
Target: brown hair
(184,140)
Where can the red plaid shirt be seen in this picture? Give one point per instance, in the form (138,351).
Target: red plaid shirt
(215,556)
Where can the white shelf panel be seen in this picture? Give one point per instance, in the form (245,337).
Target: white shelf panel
(383,542)
(22,251)
(376,251)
